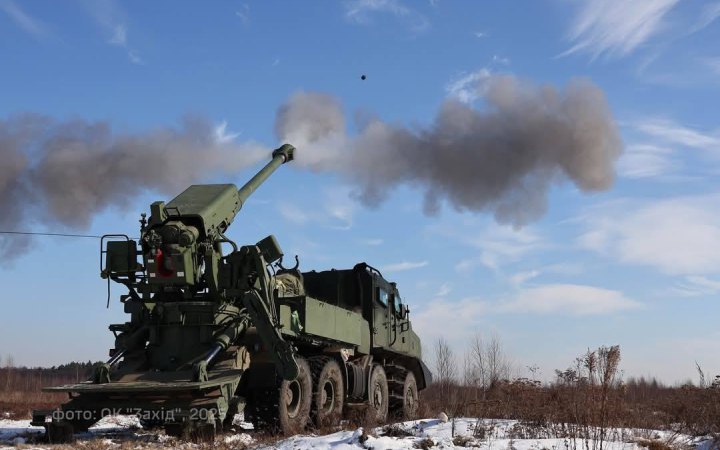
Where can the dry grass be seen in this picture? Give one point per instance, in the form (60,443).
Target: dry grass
(21,388)
(583,401)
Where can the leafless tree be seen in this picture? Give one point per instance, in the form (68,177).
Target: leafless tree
(468,373)
(9,365)
(477,350)
(498,365)
(445,365)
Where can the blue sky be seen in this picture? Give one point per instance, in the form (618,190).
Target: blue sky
(637,265)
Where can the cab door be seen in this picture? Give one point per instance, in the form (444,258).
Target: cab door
(397,323)
(381,317)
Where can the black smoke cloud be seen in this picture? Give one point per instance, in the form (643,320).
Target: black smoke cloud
(501,157)
(63,173)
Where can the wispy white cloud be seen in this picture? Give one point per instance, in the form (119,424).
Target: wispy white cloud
(646,160)
(709,14)
(135,58)
(119,36)
(373,242)
(521,278)
(566,268)
(696,285)
(616,28)
(568,299)
(361,12)
(444,290)
(655,151)
(502,60)
(671,132)
(468,87)
(112,21)
(339,209)
(403,266)
(222,135)
(32,26)
(293,213)
(679,236)
(713,63)
(500,245)
(465,315)
(480,34)
(469,314)
(342,213)
(333,210)
(244,13)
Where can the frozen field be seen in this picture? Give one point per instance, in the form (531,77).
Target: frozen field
(124,432)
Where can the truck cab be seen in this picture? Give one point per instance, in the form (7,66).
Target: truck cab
(363,290)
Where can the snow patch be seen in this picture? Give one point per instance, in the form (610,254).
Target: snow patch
(453,434)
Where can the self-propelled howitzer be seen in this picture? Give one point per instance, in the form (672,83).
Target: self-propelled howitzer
(189,306)
(215,329)
(183,259)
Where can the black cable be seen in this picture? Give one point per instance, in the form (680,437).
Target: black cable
(31,233)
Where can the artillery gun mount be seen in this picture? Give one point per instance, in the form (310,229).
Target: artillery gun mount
(213,334)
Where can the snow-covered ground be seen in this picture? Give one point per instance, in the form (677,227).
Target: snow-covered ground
(429,433)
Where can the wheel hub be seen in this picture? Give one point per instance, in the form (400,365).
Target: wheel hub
(410,398)
(327,397)
(378,396)
(292,398)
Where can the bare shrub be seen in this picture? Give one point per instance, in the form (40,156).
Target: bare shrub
(424,444)
(588,403)
(463,441)
(395,430)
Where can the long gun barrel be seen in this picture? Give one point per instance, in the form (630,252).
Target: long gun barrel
(177,234)
(214,206)
(279,157)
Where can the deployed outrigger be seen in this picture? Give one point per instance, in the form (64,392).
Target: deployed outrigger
(213,334)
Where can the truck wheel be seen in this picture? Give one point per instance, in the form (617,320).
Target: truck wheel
(151,424)
(233,408)
(410,397)
(295,400)
(329,392)
(201,432)
(60,432)
(378,398)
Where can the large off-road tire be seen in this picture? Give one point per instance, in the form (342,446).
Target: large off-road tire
(174,429)
(60,432)
(82,426)
(328,391)
(295,399)
(151,424)
(404,399)
(194,431)
(233,409)
(378,396)
(411,399)
(202,432)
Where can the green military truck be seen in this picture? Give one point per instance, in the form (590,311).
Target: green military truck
(216,329)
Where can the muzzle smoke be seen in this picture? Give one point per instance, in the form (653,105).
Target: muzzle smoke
(502,158)
(66,172)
